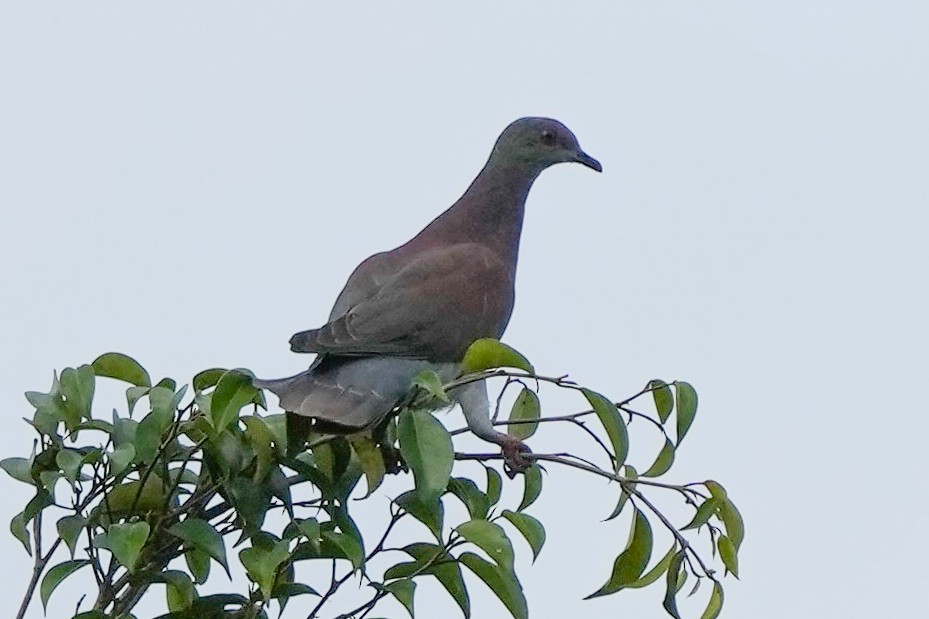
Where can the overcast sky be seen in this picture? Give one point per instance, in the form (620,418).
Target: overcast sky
(191,184)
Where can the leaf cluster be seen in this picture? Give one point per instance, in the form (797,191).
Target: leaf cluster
(160,493)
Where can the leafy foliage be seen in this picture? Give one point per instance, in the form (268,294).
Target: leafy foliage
(178,475)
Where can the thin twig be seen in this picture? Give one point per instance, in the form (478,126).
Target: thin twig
(40,562)
(561,381)
(560,459)
(685,544)
(335,584)
(570,417)
(381,592)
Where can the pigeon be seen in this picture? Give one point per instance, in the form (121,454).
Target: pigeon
(421,305)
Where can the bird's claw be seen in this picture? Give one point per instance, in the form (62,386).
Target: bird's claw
(514,458)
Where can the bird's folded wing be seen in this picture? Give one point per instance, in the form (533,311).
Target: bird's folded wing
(433,308)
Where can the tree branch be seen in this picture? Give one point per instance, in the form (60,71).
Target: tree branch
(560,459)
(39,565)
(629,485)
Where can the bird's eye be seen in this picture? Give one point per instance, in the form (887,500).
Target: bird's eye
(548,138)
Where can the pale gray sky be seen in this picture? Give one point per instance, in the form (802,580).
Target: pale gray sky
(190,184)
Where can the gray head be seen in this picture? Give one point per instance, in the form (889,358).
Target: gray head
(537,143)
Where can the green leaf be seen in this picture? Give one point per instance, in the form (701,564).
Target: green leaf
(371,460)
(50,408)
(229,452)
(121,367)
(613,424)
(290,589)
(149,432)
(250,501)
(198,562)
(262,441)
(179,589)
(121,457)
(279,487)
(69,461)
(19,469)
(427,448)
(494,485)
(309,528)
(632,561)
(694,589)
(531,529)
(201,535)
(525,408)
(77,387)
(93,455)
(20,532)
(44,461)
(163,397)
(716,489)
(502,582)
(715,605)
(207,378)
(346,545)
(664,401)
(686,408)
(333,458)
(404,569)
(261,564)
(344,522)
(673,582)
(55,576)
(403,590)
(125,541)
(36,504)
(467,491)
(445,569)
(69,529)
(48,479)
(124,430)
(120,500)
(429,381)
(729,554)
(630,473)
(663,462)
(96,424)
(488,353)
(491,538)
(532,486)
(284,587)
(167,383)
(703,514)
(277,425)
(213,606)
(233,391)
(735,528)
(431,514)
(134,394)
(655,573)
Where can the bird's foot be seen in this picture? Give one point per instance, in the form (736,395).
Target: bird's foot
(514,455)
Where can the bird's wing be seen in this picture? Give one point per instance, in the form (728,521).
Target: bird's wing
(433,308)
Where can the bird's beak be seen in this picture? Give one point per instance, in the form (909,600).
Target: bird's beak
(585,159)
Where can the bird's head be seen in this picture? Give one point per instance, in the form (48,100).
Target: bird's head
(538,143)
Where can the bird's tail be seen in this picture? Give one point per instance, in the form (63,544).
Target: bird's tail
(322,396)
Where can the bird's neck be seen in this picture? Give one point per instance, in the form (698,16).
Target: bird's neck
(490,212)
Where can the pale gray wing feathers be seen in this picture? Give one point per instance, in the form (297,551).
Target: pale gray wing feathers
(356,393)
